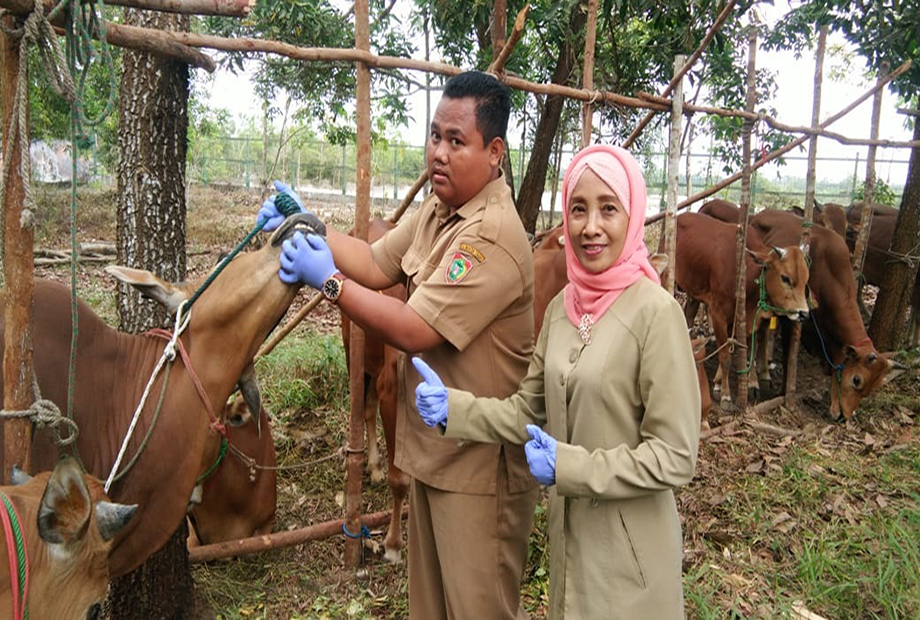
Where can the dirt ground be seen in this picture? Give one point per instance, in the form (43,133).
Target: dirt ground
(309,581)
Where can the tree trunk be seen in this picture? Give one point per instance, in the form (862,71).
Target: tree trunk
(152,140)
(534,182)
(887,326)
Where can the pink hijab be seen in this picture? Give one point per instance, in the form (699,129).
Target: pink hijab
(592,293)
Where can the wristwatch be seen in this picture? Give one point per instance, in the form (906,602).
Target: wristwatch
(332,287)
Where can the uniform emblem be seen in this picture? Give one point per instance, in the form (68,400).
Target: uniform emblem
(458,267)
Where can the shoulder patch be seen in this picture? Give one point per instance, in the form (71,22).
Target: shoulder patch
(458,267)
(466,247)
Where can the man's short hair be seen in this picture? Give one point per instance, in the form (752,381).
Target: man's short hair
(493,101)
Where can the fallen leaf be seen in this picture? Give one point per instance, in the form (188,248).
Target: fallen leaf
(881,501)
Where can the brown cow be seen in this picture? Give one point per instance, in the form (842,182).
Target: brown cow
(380,391)
(699,356)
(836,332)
(878,258)
(829,215)
(67,525)
(228,324)
(239,498)
(706,271)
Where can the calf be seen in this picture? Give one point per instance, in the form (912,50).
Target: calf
(775,280)
(380,392)
(67,524)
(239,498)
(836,332)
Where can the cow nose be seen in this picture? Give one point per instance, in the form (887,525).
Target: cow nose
(802,315)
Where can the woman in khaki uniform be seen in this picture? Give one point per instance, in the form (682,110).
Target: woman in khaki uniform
(613,382)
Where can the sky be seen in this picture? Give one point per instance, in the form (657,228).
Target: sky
(793,104)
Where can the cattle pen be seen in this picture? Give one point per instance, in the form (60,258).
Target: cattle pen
(18,243)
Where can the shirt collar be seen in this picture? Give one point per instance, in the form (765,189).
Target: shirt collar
(496,190)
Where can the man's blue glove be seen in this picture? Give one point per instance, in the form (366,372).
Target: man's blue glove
(541,455)
(269,211)
(306,259)
(430,395)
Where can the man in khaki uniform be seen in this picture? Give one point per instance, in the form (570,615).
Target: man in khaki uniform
(468,266)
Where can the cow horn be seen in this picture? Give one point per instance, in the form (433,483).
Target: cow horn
(872,357)
(252,393)
(17,476)
(781,252)
(112,517)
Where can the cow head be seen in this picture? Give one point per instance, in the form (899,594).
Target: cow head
(245,302)
(68,526)
(864,371)
(785,275)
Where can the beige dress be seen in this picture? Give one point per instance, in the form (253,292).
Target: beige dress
(626,412)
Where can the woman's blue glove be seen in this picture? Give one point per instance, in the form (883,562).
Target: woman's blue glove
(269,211)
(306,259)
(430,395)
(541,455)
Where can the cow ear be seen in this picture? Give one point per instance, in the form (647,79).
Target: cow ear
(249,388)
(150,286)
(17,476)
(238,413)
(64,513)
(851,352)
(895,369)
(112,517)
(659,262)
(759,257)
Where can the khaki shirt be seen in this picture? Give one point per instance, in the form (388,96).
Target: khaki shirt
(470,277)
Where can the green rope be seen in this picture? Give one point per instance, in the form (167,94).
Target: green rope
(762,306)
(220,459)
(20,552)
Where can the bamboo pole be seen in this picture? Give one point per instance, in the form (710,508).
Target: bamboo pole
(18,238)
(226,8)
(410,196)
(587,79)
(865,215)
(741,354)
(716,25)
(280,540)
(132,37)
(785,149)
(792,354)
(356,432)
(670,219)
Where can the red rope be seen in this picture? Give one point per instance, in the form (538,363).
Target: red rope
(216,423)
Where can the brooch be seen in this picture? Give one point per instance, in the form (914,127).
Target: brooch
(584,327)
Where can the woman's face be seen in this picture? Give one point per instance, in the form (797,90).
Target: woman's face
(597,223)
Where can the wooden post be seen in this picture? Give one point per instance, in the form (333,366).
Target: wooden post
(18,236)
(792,355)
(865,214)
(741,355)
(587,80)
(670,221)
(355,458)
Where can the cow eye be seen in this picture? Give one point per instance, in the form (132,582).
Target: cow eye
(857,381)
(786,280)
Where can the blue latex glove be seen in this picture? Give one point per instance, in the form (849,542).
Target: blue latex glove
(430,395)
(306,259)
(270,212)
(541,455)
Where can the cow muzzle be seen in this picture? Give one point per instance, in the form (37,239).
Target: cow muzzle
(800,316)
(305,223)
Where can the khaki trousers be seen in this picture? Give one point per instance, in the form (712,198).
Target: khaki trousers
(467,552)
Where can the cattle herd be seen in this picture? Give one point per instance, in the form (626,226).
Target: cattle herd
(218,468)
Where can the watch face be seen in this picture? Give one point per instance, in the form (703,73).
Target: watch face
(331,289)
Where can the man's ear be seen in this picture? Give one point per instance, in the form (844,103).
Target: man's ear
(496,151)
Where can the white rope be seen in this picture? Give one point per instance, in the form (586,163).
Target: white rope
(169,354)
